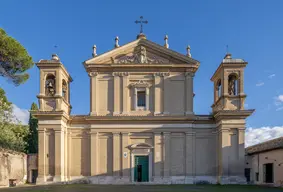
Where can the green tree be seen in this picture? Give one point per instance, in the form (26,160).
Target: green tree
(32,139)
(12,133)
(14,59)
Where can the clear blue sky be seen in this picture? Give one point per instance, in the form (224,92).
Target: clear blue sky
(253,30)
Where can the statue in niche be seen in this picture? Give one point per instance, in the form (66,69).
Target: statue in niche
(50,86)
(231,85)
(64,90)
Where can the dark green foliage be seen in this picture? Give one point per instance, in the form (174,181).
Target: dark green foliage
(14,59)
(12,133)
(32,139)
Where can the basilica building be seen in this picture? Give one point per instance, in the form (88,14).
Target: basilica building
(141,125)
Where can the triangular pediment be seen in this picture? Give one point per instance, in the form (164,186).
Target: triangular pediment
(141,51)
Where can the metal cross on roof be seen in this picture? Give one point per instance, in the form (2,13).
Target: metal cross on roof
(141,22)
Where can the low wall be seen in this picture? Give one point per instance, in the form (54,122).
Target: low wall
(13,165)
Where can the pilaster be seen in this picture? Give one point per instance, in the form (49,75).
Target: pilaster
(69,155)
(157,155)
(167,155)
(93,93)
(125,93)
(125,155)
(93,149)
(41,156)
(189,93)
(189,154)
(116,154)
(59,155)
(117,94)
(42,83)
(157,94)
(165,88)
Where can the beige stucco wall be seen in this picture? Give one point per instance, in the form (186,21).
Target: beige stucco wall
(13,165)
(107,89)
(256,162)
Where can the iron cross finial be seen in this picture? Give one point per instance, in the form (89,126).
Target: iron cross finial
(141,22)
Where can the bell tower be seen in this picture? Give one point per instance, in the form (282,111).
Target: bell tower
(54,106)
(230,118)
(229,85)
(54,86)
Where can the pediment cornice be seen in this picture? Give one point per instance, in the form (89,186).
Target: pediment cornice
(141,51)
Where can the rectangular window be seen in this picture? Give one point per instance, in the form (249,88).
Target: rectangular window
(141,98)
(256,176)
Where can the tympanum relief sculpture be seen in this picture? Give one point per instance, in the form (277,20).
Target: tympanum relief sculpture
(140,55)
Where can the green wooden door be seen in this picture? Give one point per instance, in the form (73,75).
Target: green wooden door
(141,169)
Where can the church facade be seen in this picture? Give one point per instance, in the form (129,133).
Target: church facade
(141,126)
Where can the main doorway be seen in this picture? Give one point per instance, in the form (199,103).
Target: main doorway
(268,170)
(141,169)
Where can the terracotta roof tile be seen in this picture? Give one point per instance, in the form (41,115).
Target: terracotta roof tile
(265,146)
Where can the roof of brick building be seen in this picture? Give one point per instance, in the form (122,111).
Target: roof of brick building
(265,146)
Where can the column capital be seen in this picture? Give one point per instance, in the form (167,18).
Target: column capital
(157,133)
(120,74)
(188,133)
(125,133)
(167,133)
(161,74)
(93,74)
(116,133)
(93,132)
(190,74)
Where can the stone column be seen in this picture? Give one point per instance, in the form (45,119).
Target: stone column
(70,155)
(116,154)
(41,155)
(93,93)
(59,155)
(157,156)
(125,93)
(189,156)
(189,84)
(157,93)
(126,156)
(93,150)
(167,155)
(117,88)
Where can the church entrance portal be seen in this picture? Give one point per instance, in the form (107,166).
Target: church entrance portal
(141,169)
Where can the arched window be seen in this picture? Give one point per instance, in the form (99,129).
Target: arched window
(233,84)
(64,90)
(218,88)
(50,89)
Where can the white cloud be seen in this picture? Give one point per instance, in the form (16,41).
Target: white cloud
(262,134)
(278,101)
(280,98)
(271,76)
(21,114)
(259,84)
